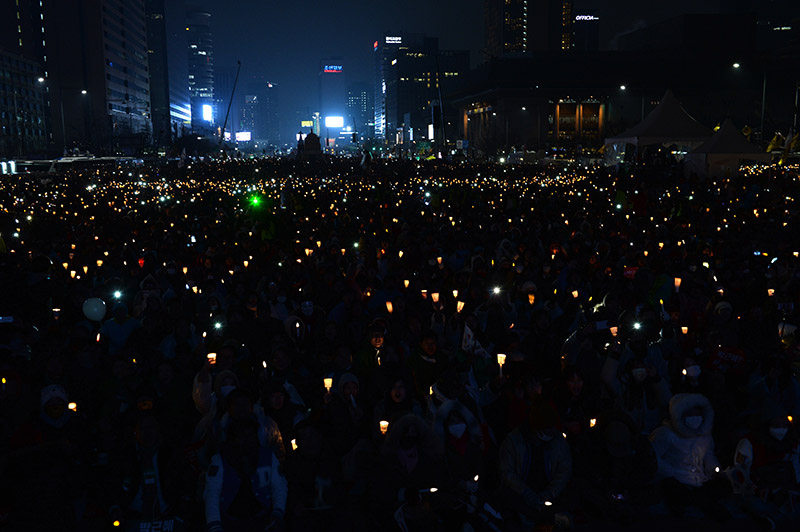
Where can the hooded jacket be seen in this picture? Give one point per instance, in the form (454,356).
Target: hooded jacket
(684,453)
(515,463)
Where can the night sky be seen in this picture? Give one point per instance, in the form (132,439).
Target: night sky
(285,41)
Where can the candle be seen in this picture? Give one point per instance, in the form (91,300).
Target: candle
(424,294)
(770,292)
(435,297)
(677,284)
(459,306)
(185,270)
(406,282)
(592,422)
(438,260)
(97,338)
(400,254)
(65,265)
(531,298)
(294,445)
(73,406)
(297,328)
(613,330)
(72,273)
(455,294)
(575,294)
(685,330)
(501,359)
(328,382)
(384,426)
(389,307)
(99,263)
(212,358)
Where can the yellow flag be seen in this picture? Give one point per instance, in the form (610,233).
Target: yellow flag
(716,128)
(776,142)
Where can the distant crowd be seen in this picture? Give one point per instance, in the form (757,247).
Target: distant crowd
(292,345)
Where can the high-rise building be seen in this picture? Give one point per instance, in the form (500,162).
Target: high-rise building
(259,112)
(157,59)
(332,88)
(24,100)
(180,108)
(201,70)
(516,27)
(412,75)
(360,112)
(99,74)
(586,34)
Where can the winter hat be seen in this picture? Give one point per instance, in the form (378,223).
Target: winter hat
(54,391)
(542,415)
(344,379)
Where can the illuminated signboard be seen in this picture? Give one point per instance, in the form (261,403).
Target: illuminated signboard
(587,17)
(227,135)
(332,69)
(208,113)
(334,121)
(307,123)
(243,136)
(394,40)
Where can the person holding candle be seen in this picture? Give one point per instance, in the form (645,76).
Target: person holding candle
(535,467)
(427,364)
(244,487)
(687,464)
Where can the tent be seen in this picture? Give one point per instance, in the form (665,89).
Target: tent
(723,153)
(668,124)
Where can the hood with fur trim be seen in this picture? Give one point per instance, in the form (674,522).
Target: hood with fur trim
(680,404)
(444,411)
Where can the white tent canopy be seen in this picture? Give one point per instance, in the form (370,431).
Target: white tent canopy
(667,124)
(723,153)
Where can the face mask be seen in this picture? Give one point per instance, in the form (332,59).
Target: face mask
(639,374)
(457,430)
(779,433)
(693,372)
(694,422)
(544,436)
(281,299)
(225,390)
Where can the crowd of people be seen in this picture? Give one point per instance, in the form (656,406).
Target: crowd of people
(286,345)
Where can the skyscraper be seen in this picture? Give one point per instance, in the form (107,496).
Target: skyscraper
(180,108)
(516,27)
(360,112)
(259,111)
(24,101)
(157,55)
(98,74)
(332,88)
(201,69)
(412,73)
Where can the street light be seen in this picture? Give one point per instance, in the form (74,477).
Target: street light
(83,91)
(736,65)
(40,80)
(622,87)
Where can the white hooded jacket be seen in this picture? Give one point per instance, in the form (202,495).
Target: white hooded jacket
(684,453)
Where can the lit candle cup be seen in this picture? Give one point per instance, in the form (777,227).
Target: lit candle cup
(677,284)
(99,263)
(614,331)
(501,359)
(212,358)
(328,382)
(455,294)
(531,298)
(685,330)
(459,306)
(575,294)
(294,445)
(389,307)
(435,297)
(73,406)
(384,427)
(592,422)
(406,282)
(770,292)
(424,294)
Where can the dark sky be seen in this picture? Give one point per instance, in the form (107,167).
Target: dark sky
(284,41)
